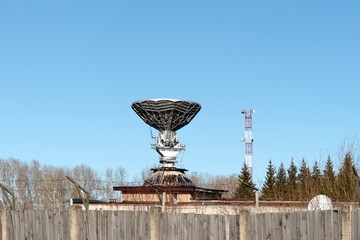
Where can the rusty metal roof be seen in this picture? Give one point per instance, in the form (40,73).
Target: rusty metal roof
(169,177)
(152,189)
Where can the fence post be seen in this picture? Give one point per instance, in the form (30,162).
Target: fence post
(346,222)
(74,229)
(4,230)
(154,223)
(244,224)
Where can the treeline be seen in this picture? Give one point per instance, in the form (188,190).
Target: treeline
(224,182)
(37,186)
(303,182)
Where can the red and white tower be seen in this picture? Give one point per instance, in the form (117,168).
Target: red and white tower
(248,139)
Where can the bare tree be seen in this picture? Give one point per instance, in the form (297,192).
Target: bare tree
(223,182)
(89,179)
(56,190)
(113,178)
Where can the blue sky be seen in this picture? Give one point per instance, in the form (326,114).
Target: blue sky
(69,71)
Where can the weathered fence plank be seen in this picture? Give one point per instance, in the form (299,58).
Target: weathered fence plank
(355,224)
(101,225)
(303,227)
(2,232)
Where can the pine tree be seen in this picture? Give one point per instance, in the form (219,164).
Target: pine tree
(304,178)
(244,181)
(280,183)
(316,180)
(268,189)
(292,184)
(329,180)
(346,182)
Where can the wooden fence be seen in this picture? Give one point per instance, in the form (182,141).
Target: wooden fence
(296,225)
(355,224)
(154,225)
(199,227)
(74,224)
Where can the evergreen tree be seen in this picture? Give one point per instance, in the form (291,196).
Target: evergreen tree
(268,189)
(346,182)
(304,178)
(329,180)
(316,180)
(244,181)
(292,181)
(280,183)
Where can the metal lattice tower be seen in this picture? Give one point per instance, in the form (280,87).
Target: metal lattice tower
(248,139)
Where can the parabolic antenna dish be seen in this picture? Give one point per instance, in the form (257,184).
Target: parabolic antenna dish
(166,114)
(320,202)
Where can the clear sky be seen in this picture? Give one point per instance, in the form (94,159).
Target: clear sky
(69,71)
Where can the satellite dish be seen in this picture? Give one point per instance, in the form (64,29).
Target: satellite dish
(320,202)
(167,116)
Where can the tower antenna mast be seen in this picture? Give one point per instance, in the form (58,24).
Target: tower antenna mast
(248,139)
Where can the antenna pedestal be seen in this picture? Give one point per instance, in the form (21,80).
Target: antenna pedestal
(168,147)
(169,176)
(168,161)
